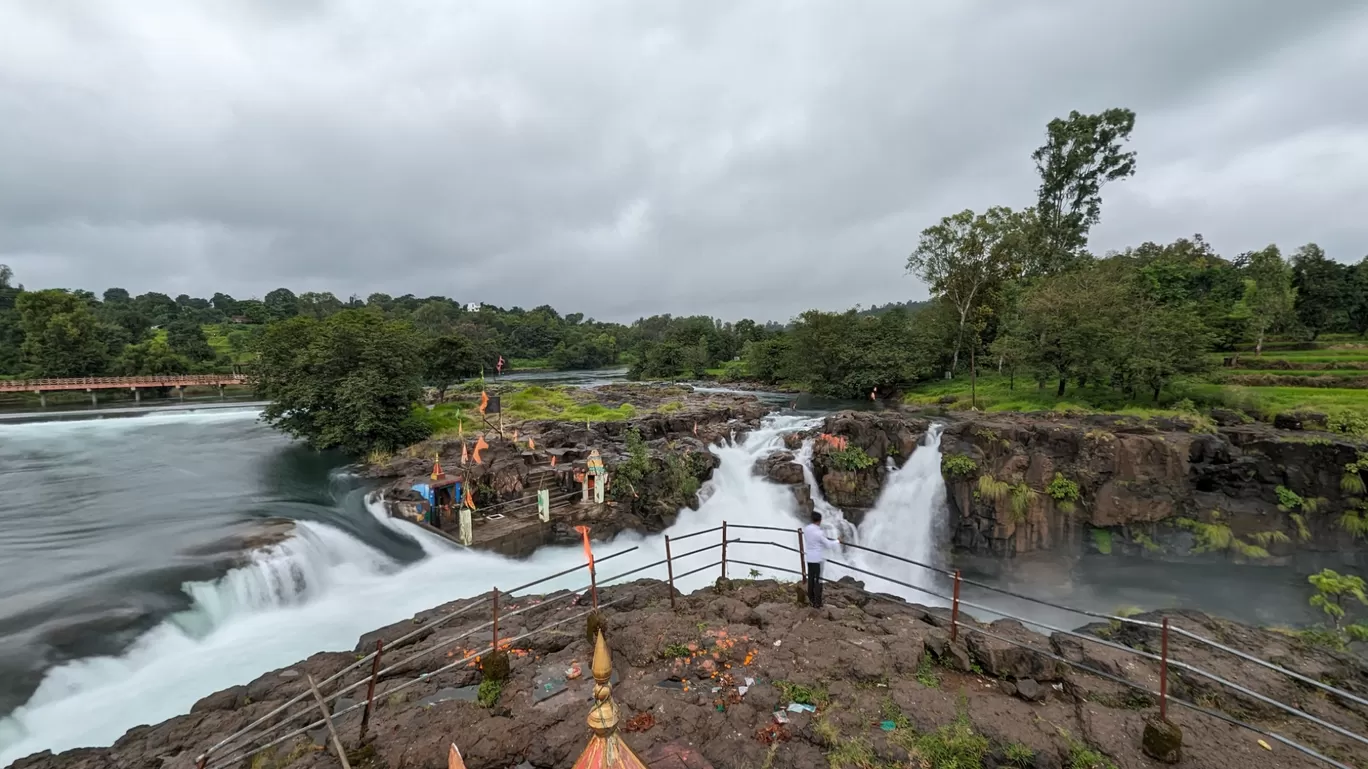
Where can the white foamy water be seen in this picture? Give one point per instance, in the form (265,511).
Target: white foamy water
(834,522)
(908,520)
(323,589)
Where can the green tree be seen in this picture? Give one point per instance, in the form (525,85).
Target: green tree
(1159,344)
(349,382)
(1335,593)
(1068,325)
(1356,296)
(186,338)
(1080,155)
(1269,295)
(281,304)
(6,275)
(62,337)
(1320,284)
(964,260)
(449,359)
(153,357)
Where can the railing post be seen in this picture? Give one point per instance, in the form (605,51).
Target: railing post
(496,620)
(370,690)
(593,584)
(1163,671)
(954,610)
(669,568)
(802,556)
(724,550)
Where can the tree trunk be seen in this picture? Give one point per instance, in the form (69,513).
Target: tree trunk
(973,380)
(1157,388)
(1063,382)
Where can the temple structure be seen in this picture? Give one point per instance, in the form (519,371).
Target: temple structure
(605,750)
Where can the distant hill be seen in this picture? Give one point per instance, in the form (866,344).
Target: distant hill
(880,309)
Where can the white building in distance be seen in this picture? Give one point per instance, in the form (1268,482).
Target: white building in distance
(473,306)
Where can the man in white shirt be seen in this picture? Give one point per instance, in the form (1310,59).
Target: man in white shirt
(816,543)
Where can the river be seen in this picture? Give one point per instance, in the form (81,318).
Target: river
(121,602)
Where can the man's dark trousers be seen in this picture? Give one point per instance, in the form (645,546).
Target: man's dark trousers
(814,585)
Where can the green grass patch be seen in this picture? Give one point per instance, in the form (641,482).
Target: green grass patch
(528,364)
(537,402)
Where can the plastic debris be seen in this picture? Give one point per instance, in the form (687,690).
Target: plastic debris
(573,672)
(1265,745)
(781,717)
(888,726)
(798,707)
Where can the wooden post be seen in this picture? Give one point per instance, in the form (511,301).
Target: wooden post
(370,690)
(669,568)
(1163,672)
(496,621)
(327,721)
(954,609)
(593,583)
(724,550)
(802,556)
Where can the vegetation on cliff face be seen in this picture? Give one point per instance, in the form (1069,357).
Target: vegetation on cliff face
(655,486)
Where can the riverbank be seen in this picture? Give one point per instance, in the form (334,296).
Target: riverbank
(748,677)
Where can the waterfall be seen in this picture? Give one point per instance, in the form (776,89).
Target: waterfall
(834,522)
(909,520)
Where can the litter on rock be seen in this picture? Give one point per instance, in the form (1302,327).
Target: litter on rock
(573,672)
(798,707)
(781,717)
(888,726)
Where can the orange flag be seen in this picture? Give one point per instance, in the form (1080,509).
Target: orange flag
(531,444)
(479,444)
(553,460)
(465,454)
(469,498)
(454,758)
(484,401)
(588,551)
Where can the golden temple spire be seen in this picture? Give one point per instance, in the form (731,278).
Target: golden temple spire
(605,750)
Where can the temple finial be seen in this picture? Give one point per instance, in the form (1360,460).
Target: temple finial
(603,718)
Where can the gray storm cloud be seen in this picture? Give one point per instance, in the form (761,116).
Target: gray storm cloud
(623,158)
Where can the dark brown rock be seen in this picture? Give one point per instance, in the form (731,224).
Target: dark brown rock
(1162,740)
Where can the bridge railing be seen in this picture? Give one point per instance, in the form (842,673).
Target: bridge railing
(108,382)
(266,731)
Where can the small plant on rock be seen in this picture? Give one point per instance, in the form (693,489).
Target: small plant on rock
(1019,755)
(489,692)
(851,458)
(1334,592)
(926,672)
(958,466)
(1064,492)
(676,651)
(992,489)
(1288,499)
(1021,501)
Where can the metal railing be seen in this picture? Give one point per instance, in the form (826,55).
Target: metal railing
(261,734)
(114,382)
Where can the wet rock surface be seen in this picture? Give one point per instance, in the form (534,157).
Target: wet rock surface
(1055,480)
(866,681)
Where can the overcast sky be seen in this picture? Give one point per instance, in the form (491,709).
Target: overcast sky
(625,158)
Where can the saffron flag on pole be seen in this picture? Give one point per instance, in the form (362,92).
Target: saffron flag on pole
(465,454)
(469,499)
(454,758)
(484,401)
(498,367)
(479,444)
(588,551)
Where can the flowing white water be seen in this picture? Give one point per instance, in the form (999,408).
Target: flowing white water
(323,589)
(909,520)
(834,522)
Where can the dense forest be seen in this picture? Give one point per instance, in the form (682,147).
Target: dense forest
(1014,292)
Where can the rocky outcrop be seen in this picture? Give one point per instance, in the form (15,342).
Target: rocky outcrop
(676,428)
(1160,488)
(713,683)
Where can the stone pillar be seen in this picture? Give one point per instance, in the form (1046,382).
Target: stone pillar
(94,401)
(181,392)
(1162,740)
(467,534)
(584,489)
(42,399)
(220,392)
(599,483)
(137,395)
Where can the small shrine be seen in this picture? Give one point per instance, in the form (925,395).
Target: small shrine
(441,494)
(594,478)
(606,749)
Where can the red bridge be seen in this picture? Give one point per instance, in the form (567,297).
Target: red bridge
(134,383)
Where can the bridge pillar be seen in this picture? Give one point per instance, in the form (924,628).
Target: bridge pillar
(180,390)
(220,392)
(137,395)
(42,399)
(94,399)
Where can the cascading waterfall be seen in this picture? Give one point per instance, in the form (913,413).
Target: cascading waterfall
(323,588)
(909,520)
(834,522)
